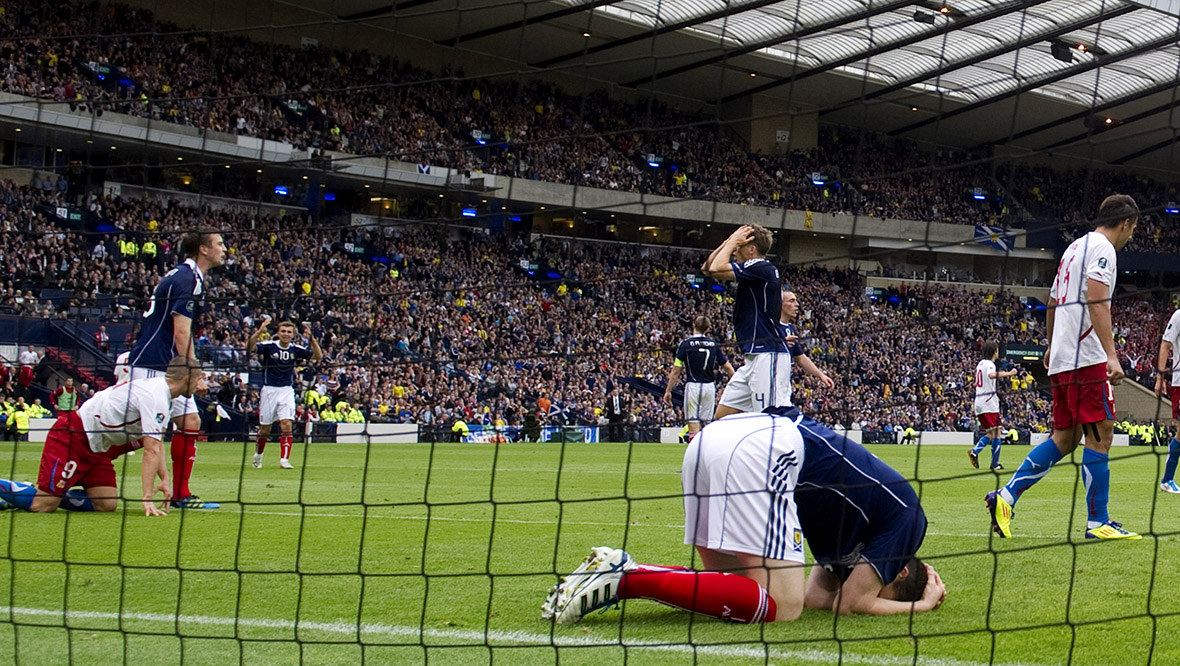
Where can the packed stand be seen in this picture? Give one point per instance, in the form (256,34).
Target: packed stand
(379,106)
(451,325)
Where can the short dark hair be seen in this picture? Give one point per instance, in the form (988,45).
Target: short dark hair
(990,348)
(180,367)
(192,241)
(912,586)
(700,325)
(1115,209)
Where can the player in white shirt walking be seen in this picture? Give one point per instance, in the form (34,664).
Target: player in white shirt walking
(987,404)
(1083,366)
(1170,346)
(76,451)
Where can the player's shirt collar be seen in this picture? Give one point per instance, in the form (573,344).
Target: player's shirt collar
(196,269)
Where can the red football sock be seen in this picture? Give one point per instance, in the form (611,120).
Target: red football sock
(123,449)
(722,595)
(260,444)
(285,446)
(184,454)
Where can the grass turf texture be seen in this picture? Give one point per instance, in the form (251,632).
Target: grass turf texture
(383,555)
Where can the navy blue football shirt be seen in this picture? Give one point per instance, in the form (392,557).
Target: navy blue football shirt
(757,307)
(178,293)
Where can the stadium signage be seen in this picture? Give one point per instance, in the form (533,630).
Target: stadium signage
(1027,353)
(65,213)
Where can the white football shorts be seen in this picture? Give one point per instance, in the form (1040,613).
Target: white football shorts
(739,477)
(699,400)
(764,381)
(276,403)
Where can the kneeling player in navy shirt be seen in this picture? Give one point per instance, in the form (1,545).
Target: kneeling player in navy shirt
(755,485)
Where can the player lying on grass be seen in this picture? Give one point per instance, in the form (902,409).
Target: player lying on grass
(78,448)
(754,486)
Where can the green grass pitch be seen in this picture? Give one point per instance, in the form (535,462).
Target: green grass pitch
(407,554)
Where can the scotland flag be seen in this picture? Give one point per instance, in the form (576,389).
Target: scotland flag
(995,237)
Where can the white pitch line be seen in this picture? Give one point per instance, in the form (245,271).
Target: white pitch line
(496,637)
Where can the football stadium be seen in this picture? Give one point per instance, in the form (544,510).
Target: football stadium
(590,332)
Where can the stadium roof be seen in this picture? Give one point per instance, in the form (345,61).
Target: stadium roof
(961,72)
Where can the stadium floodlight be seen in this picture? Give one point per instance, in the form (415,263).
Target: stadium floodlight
(1061,51)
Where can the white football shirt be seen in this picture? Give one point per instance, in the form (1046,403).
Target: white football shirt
(126,412)
(987,401)
(1074,344)
(122,367)
(1172,335)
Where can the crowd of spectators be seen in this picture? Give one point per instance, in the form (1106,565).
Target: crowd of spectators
(453,324)
(360,103)
(450,323)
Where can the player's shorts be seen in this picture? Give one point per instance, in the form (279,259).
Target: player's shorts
(1081,396)
(739,491)
(180,404)
(988,420)
(764,381)
(68,461)
(699,400)
(276,403)
(1175,395)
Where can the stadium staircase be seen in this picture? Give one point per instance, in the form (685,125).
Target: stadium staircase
(66,364)
(75,351)
(1136,402)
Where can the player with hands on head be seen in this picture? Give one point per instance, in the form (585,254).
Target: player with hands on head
(1083,367)
(764,380)
(77,449)
(278,357)
(699,356)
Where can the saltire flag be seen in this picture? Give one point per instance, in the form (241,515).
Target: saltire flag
(995,237)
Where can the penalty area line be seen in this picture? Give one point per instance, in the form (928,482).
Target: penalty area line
(494,638)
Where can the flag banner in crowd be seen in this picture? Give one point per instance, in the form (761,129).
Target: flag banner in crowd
(995,237)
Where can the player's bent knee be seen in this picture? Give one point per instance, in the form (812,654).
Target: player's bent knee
(45,503)
(783,580)
(105,504)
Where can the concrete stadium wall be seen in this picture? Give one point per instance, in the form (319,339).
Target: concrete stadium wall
(376,433)
(1039,293)
(1135,402)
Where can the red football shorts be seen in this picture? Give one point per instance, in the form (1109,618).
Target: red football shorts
(1175,395)
(67,461)
(1081,396)
(988,420)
